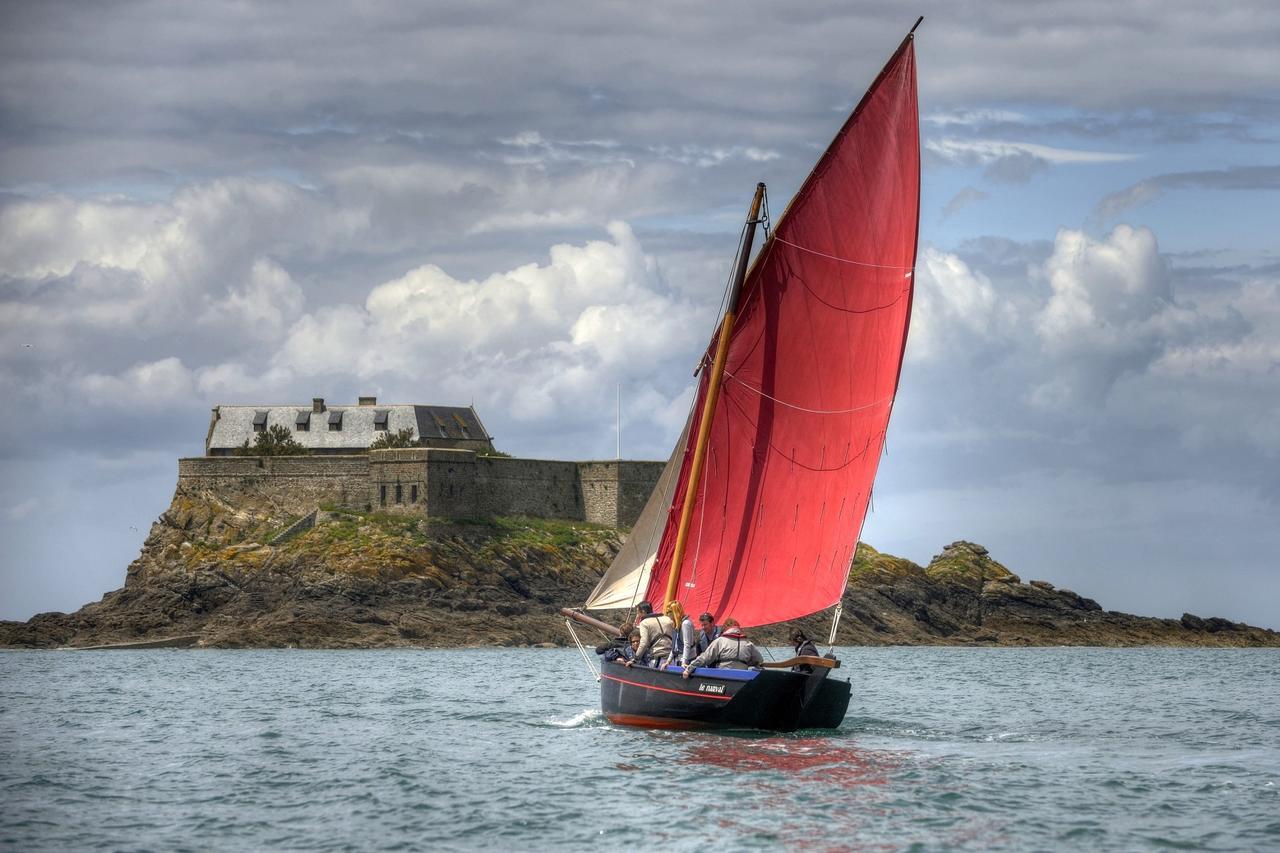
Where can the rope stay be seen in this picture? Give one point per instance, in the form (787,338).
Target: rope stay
(909,270)
(835,623)
(762,393)
(582,650)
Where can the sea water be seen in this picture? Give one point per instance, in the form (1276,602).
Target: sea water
(506,750)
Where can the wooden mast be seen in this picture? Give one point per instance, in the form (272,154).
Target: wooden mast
(713,394)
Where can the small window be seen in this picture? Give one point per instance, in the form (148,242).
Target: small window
(439,425)
(380,421)
(335,420)
(462,425)
(413,493)
(399,494)
(382,495)
(259,421)
(302,423)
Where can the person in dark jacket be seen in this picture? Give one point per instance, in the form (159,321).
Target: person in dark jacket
(804,648)
(619,648)
(632,652)
(707,632)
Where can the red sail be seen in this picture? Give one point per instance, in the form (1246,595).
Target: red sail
(812,371)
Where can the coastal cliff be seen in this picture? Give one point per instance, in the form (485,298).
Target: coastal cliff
(251,574)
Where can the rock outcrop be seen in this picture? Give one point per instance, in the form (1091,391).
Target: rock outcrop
(215,574)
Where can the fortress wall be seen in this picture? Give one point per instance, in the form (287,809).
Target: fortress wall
(397,481)
(296,483)
(636,481)
(616,491)
(433,481)
(599,492)
(540,488)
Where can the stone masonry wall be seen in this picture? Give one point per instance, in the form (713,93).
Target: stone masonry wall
(436,482)
(297,484)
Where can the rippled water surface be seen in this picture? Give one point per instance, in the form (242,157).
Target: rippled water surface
(943,748)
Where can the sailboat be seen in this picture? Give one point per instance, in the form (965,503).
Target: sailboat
(760,507)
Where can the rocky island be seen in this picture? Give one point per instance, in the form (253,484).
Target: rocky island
(402,525)
(251,574)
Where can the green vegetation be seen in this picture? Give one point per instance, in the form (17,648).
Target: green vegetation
(399,439)
(494,453)
(966,563)
(275,440)
(558,533)
(870,564)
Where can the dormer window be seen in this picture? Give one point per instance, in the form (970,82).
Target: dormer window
(462,425)
(302,423)
(380,421)
(259,421)
(439,425)
(335,420)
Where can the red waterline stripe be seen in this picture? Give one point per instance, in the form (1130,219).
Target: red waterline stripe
(654,722)
(669,690)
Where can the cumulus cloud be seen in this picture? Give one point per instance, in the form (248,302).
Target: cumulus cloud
(1094,346)
(546,337)
(166,382)
(954,306)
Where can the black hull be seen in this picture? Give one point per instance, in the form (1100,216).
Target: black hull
(775,700)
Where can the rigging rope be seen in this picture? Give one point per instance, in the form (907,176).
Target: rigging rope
(909,270)
(582,650)
(759,391)
(835,622)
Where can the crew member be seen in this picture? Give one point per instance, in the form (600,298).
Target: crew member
(685,637)
(707,632)
(655,635)
(804,648)
(731,650)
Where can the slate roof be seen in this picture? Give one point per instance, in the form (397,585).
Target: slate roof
(233,424)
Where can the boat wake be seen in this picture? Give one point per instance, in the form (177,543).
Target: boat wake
(583,719)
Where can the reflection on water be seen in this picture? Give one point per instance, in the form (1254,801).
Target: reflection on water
(834,761)
(813,793)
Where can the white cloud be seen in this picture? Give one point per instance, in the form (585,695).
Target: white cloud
(167,382)
(987,151)
(1013,162)
(261,307)
(953,306)
(973,118)
(204,255)
(543,339)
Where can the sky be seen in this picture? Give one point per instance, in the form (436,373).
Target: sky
(533,207)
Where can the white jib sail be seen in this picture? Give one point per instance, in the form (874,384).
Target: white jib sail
(624,582)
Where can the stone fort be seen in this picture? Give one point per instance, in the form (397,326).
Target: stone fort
(454,473)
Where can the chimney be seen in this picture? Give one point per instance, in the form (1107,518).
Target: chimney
(317,404)
(368,401)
